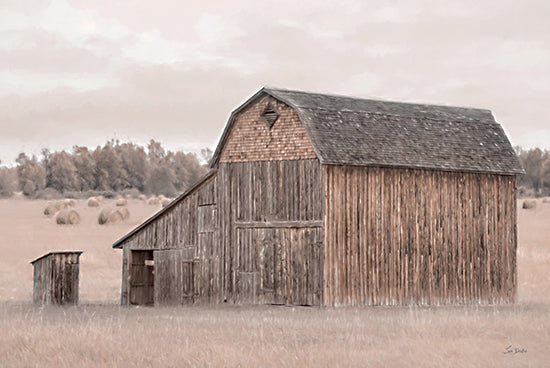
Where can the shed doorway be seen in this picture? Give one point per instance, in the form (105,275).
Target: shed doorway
(142,280)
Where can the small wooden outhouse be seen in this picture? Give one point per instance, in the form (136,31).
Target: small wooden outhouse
(56,278)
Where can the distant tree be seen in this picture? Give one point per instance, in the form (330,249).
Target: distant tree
(63,172)
(156,152)
(545,171)
(8,181)
(134,160)
(161,181)
(85,168)
(205,156)
(30,174)
(110,172)
(531,161)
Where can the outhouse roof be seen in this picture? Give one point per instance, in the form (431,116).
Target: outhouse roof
(79,252)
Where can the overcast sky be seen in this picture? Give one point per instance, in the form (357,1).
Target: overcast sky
(81,72)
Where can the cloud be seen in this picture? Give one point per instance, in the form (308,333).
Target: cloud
(41,52)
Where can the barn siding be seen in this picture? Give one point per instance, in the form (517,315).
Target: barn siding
(400,236)
(191,227)
(250,139)
(271,219)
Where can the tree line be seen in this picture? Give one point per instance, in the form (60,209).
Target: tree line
(113,167)
(536,163)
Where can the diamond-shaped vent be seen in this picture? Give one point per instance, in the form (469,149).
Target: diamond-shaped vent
(269,115)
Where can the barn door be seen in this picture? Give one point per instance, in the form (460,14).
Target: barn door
(271,266)
(174,277)
(141,277)
(247,275)
(279,266)
(304,266)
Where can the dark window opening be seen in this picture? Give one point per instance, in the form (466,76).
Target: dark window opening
(270,115)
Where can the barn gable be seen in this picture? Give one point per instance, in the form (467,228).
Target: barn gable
(265,129)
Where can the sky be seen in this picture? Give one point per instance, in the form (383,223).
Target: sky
(85,71)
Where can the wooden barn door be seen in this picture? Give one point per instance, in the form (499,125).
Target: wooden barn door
(279,266)
(304,266)
(271,266)
(141,277)
(174,277)
(261,276)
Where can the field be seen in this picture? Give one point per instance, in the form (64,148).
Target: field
(100,333)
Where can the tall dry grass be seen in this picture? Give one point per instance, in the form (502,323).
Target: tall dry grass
(90,336)
(100,333)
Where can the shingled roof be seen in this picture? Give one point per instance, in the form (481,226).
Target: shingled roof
(354,131)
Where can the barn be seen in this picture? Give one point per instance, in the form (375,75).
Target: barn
(324,200)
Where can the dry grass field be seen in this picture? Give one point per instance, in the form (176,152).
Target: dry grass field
(100,333)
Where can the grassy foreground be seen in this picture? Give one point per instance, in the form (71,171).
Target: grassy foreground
(104,335)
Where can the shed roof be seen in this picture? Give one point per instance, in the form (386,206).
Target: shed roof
(356,131)
(77,252)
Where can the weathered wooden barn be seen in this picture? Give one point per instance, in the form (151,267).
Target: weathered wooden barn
(56,278)
(327,200)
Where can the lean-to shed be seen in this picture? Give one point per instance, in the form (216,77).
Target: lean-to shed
(56,278)
(326,200)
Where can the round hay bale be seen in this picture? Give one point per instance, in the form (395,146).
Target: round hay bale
(546,200)
(121,202)
(153,201)
(55,207)
(165,202)
(93,202)
(51,210)
(109,216)
(142,197)
(69,202)
(67,217)
(529,204)
(124,212)
(100,199)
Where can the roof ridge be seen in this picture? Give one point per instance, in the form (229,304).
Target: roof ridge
(398,116)
(275,90)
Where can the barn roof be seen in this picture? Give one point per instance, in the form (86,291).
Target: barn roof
(355,131)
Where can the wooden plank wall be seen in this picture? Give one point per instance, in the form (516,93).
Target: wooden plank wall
(174,277)
(407,236)
(65,278)
(42,286)
(56,279)
(270,215)
(192,227)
